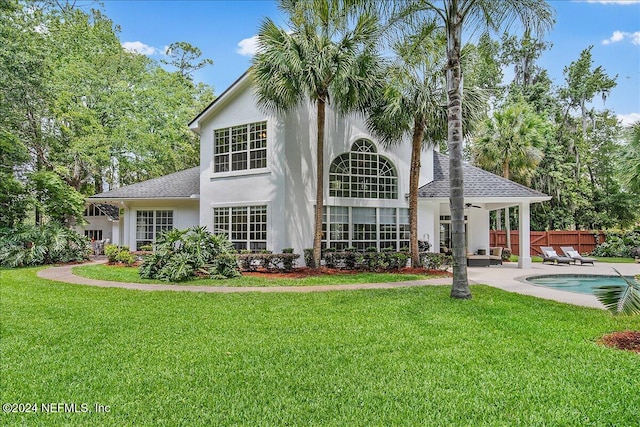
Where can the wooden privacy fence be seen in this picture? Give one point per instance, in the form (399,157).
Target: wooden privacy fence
(582,241)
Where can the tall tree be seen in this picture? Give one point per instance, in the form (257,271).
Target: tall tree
(184,56)
(328,56)
(456,16)
(413,104)
(509,144)
(582,84)
(630,169)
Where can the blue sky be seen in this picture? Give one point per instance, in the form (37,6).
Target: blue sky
(223,31)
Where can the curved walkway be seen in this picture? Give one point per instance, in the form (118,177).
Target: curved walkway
(64,274)
(506,277)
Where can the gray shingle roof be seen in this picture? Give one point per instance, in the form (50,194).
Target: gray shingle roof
(181,184)
(477,183)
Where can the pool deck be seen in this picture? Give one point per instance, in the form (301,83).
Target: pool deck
(512,279)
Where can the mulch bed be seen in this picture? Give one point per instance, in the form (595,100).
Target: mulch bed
(302,272)
(624,340)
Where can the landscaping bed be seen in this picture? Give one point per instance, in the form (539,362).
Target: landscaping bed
(297,277)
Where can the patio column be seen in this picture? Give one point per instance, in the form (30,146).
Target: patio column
(524,257)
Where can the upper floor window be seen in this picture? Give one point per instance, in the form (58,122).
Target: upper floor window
(363,173)
(240,147)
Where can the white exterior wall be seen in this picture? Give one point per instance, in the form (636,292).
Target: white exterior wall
(477,229)
(185,214)
(429,223)
(287,186)
(97,223)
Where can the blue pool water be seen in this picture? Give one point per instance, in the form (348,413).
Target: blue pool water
(579,283)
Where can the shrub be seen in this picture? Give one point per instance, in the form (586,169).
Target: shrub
(287,251)
(308,257)
(225,266)
(117,254)
(181,253)
(619,244)
(38,245)
(279,262)
(395,260)
(436,261)
(125,257)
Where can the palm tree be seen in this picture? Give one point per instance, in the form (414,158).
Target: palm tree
(414,103)
(456,16)
(508,144)
(328,56)
(630,169)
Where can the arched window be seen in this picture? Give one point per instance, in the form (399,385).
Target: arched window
(362,173)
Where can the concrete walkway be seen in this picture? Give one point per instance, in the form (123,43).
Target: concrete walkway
(507,277)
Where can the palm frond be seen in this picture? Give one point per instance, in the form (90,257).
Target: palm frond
(620,299)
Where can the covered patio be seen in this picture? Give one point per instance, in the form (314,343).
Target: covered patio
(484,192)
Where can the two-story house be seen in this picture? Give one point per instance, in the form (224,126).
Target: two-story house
(256,184)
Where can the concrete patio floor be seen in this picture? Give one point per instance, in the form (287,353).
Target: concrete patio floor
(512,279)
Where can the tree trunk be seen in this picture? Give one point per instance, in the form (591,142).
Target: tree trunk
(317,236)
(460,286)
(414,182)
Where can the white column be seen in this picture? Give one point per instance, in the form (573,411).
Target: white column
(427,214)
(524,258)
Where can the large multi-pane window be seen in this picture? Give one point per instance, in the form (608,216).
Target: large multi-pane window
(246,227)
(240,147)
(365,227)
(363,173)
(150,223)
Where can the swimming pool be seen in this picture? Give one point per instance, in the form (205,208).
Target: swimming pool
(579,283)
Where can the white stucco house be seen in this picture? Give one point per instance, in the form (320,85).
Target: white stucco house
(256,183)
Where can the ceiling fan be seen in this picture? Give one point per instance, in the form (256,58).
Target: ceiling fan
(470,205)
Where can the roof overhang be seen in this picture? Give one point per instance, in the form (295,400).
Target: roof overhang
(491,203)
(193,197)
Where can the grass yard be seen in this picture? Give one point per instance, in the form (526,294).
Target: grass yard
(130,274)
(408,356)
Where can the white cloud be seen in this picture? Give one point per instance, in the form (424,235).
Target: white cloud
(140,48)
(627,119)
(618,36)
(248,47)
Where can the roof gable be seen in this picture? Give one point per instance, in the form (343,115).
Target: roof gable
(179,185)
(477,183)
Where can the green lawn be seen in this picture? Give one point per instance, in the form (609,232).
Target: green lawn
(408,356)
(130,274)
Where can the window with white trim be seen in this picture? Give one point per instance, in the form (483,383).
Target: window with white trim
(242,147)
(365,227)
(245,227)
(150,223)
(362,173)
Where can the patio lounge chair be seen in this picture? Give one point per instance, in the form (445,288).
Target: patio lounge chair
(550,255)
(575,255)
